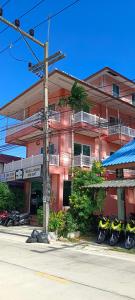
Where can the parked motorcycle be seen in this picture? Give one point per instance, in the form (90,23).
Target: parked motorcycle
(103,229)
(16,219)
(3,216)
(130,233)
(117,227)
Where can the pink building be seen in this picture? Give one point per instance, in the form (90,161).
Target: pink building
(98,133)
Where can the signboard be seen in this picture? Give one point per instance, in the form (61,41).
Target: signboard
(19,174)
(10,176)
(32,172)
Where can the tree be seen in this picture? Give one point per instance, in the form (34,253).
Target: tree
(77,100)
(84,202)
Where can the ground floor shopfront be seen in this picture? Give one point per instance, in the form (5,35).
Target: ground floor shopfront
(30,181)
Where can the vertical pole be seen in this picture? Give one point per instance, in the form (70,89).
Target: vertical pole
(72,151)
(46,181)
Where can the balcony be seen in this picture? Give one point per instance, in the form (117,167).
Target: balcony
(90,119)
(26,127)
(30,162)
(83,161)
(90,122)
(119,133)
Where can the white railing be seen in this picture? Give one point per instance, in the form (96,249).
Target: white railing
(83,160)
(120,129)
(30,162)
(36,118)
(91,119)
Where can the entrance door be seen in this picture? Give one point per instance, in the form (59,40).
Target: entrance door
(36,196)
(121,203)
(66,192)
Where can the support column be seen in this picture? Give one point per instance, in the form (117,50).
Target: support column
(27,195)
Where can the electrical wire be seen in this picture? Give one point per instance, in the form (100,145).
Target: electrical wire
(5,3)
(24,14)
(41,23)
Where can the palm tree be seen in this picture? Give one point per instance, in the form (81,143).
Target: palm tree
(77,101)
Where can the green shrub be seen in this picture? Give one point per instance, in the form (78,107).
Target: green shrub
(57,222)
(7,199)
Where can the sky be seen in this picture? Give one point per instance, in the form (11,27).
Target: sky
(92,34)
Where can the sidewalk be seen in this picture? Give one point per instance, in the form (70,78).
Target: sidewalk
(20,234)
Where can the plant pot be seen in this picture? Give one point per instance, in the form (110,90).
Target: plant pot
(73,235)
(53,235)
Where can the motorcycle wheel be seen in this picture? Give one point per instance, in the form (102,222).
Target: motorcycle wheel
(113,240)
(101,237)
(10,223)
(129,243)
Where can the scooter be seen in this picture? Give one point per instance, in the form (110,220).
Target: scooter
(16,219)
(3,216)
(103,229)
(117,227)
(130,234)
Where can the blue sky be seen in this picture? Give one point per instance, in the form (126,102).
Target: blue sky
(92,34)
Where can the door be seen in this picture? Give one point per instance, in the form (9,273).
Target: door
(66,192)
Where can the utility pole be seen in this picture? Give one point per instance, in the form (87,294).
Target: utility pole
(41,67)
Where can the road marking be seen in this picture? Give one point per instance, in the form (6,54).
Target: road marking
(53,277)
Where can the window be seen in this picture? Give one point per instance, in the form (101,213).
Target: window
(81,149)
(133,99)
(113,120)
(51,107)
(51,149)
(115,90)
(111,153)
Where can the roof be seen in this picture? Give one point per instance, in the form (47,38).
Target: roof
(4,158)
(124,155)
(113,184)
(61,80)
(112,73)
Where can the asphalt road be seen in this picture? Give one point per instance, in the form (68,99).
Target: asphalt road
(40,272)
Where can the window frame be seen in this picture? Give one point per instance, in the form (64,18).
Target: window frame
(82,149)
(114,93)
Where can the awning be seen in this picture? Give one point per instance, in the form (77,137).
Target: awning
(124,155)
(113,184)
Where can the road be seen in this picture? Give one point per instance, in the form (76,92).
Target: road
(36,271)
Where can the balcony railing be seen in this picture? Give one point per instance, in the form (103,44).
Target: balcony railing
(30,162)
(120,129)
(36,118)
(89,119)
(83,161)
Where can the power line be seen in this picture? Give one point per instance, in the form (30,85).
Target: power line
(5,3)
(41,23)
(24,14)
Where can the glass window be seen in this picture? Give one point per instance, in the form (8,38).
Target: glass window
(77,149)
(51,107)
(81,149)
(86,150)
(133,99)
(116,90)
(51,149)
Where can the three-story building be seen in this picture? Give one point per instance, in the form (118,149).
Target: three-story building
(96,133)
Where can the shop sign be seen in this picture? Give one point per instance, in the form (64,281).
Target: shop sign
(19,174)
(10,176)
(32,172)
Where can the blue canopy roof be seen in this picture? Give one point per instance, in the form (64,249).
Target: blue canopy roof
(124,155)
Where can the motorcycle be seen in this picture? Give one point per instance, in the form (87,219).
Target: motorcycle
(103,229)
(130,234)
(16,219)
(3,216)
(117,227)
